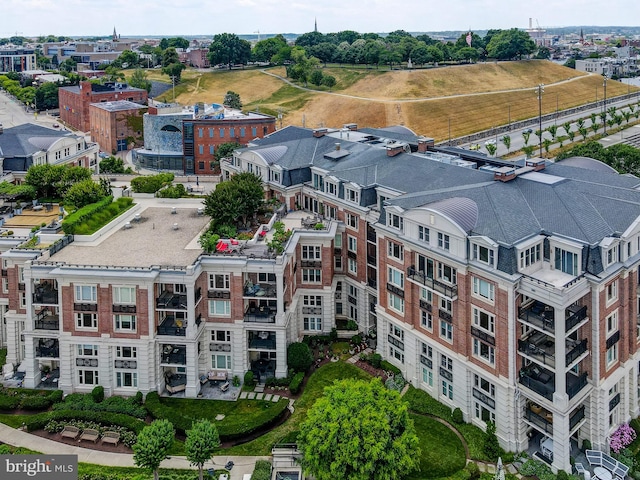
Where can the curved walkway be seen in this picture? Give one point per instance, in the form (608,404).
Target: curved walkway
(18,438)
(421,99)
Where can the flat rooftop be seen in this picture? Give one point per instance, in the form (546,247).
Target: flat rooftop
(118,105)
(150,241)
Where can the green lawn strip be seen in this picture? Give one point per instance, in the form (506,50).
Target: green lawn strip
(321,378)
(3,356)
(95,472)
(100,219)
(241,417)
(421,402)
(442,452)
(14,421)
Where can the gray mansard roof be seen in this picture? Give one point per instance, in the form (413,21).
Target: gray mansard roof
(578,199)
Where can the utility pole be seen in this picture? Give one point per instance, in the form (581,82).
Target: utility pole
(539,92)
(604,105)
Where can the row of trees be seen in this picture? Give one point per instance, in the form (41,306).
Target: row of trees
(42,97)
(372,49)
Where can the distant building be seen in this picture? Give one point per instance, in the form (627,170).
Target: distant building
(196,57)
(74,101)
(30,144)
(17,59)
(184,139)
(116,126)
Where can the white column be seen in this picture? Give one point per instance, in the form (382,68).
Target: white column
(561,442)
(105,366)
(191,370)
(67,364)
(33,376)
(281,354)
(14,354)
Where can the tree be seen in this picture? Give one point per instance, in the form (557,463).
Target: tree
(358,431)
(201,442)
(139,80)
(491,446)
(229,49)
(47,96)
(324,51)
(169,56)
(225,150)
(232,100)
(251,192)
(84,193)
(491,148)
(264,50)
(329,81)
(128,59)
(546,143)
(510,44)
(113,164)
(299,357)
(302,66)
(174,70)
(235,200)
(316,77)
(153,445)
(528,150)
(506,140)
(553,130)
(310,39)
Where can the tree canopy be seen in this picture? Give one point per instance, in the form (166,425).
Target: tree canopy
(139,80)
(153,445)
(236,199)
(53,181)
(510,44)
(229,49)
(358,431)
(201,443)
(623,158)
(232,100)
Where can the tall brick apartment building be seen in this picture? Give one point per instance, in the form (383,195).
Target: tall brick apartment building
(508,291)
(75,100)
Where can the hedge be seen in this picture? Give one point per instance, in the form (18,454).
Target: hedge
(296,382)
(11,399)
(262,470)
(232,427)
(70,223)
(39,420)
(151,183)
(389,367)
(114,404)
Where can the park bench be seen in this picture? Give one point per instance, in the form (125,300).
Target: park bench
(69,431)
(90,434)
(111,437)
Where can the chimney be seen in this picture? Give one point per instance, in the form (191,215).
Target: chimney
(319,132)
(505,174)
(424,143)
(395,150)
(337,147)
(1,129)
(537,164)
(351,126)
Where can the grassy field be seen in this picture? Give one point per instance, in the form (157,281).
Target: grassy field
(463,98)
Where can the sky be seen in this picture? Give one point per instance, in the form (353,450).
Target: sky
(209,17)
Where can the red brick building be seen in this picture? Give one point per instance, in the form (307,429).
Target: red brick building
(74,101)
(116,126)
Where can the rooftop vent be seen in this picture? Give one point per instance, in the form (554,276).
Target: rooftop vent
(320,132)
(424,143)
(504,174)
(351,126)
(395,149)
(337,146)
(537,164)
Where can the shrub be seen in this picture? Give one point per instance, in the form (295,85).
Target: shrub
(473,470)
(356,339)
(70,223)
(173,191)
(40,420)
(622,438)
(9,402)
(138,399)
(296,383)
(390,368)
(36,402)
(376,360)
(457,416)
(152,183)
(262,470)
(562,475)
(299,357)
(532,468)
(114,404)
(586,444)
(491,446)
(352,325)
(333,336)
(98,394)
(248,379)
(236,381)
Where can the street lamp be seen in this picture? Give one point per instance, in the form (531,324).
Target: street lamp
(449,131)
(539,92)
(604,105)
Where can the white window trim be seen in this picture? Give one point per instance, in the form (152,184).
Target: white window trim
(212,313)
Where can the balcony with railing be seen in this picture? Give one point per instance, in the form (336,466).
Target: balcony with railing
(539,380)
(539,347)
(173,355)
(168,300)
(260,313)
(575,315)
(576,417)
(539,315)
(261,286)
(262,340)
(48,348)
(172,325)
(45,293)
(575,349)
(419,276)
(576,383)
(47,319)
(540,417)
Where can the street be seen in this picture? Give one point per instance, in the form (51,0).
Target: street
(12,113)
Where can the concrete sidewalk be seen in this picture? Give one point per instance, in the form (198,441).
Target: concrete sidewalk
(19,438)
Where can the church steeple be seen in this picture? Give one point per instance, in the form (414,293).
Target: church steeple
(115,35)
(315,25)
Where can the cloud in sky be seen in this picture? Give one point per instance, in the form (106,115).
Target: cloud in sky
(190,17)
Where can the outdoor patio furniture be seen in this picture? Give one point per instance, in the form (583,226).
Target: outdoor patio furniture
(89,434)
(546,447)
(69,431)
(602,473)
(224,387)
(111,437)
(613,467)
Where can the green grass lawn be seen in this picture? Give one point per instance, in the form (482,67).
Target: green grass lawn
(442,452)
(321,378)
(3,356)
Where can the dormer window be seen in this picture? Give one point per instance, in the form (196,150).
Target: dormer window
(352,195)
(612,255)
(566,261)
(530,255)
(423,234)
(318,182)
(395,221)
(331,188)
(483,254)
(443,241)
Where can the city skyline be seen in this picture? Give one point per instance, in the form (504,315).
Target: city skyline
(185,17)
